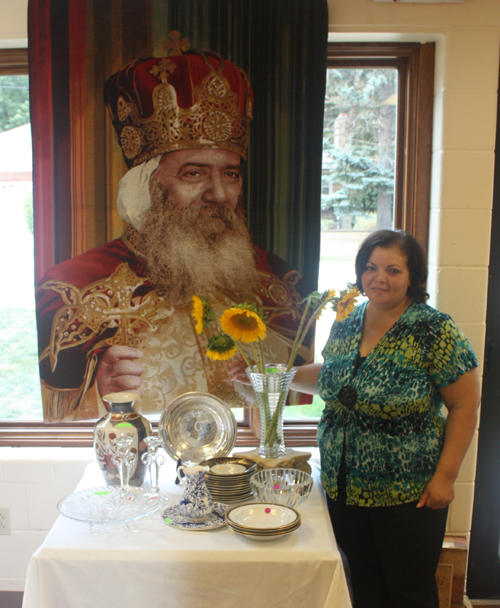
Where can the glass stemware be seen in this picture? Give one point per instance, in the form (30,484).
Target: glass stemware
(153,460)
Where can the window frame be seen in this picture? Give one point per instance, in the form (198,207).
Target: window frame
(415,64)
(13,62)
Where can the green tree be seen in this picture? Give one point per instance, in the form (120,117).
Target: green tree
(14,102)
(359,142)
(28,211)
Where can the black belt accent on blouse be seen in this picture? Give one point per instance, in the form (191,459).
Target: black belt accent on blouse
(347,395)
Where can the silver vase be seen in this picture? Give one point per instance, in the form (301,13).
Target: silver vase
(121,420)
(271,391)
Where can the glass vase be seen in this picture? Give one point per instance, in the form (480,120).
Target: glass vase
(271,391)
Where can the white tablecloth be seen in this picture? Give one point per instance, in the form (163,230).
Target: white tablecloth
(159,566)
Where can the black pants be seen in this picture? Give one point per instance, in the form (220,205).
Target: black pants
(393,553)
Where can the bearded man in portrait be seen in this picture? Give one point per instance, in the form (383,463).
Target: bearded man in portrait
(119,317)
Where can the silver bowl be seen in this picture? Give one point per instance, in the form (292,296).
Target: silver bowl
(289,487)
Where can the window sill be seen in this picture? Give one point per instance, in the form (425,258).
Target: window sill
(80,434)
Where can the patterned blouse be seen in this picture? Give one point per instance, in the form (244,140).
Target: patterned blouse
(394,433)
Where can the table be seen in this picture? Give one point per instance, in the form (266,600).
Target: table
(159,566)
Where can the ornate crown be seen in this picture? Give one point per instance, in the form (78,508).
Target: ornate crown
(192,100)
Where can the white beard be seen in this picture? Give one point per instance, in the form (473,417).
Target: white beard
(196,251)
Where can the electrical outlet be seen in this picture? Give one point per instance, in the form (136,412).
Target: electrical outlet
(4,520)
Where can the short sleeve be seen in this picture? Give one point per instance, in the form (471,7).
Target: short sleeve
(451,354)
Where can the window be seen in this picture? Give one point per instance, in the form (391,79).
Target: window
(19,381)
(406,190)
(376,167)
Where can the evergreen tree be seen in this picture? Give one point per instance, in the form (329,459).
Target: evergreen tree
(359,136)
(14,102)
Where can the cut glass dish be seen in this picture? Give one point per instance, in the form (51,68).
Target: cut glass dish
(110,505)
(289,487)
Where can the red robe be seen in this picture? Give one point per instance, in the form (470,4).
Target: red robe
(103,297)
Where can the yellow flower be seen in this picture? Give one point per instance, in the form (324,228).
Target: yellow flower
(346,305)
(217,356)
(221,347)
(329,296)
(198,313)
(242,324)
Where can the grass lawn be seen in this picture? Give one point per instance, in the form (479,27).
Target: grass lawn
(300,412)
(19,380)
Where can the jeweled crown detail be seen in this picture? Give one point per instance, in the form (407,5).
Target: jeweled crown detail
(216,115)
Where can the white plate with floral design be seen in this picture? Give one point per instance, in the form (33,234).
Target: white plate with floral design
(173,516)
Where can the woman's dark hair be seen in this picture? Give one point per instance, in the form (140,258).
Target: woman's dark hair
(409,246)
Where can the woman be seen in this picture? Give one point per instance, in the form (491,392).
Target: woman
(388,466)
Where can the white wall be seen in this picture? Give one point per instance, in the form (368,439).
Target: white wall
(13,23)
(468,40)
(32,482)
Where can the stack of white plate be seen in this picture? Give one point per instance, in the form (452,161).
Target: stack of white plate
(263,521)
(229,478)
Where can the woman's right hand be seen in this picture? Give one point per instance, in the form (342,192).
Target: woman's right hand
(237,369)
(305,381)
(306,378)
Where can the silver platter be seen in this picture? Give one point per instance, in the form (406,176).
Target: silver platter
(197,426)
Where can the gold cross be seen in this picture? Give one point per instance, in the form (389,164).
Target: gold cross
(177,45)
(109,303)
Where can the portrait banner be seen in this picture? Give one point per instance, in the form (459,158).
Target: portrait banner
(177,151)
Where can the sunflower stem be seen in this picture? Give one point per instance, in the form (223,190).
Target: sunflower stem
(247,360)
(299,338)
(259,362)
(272,425)
(312,319)
(261,352)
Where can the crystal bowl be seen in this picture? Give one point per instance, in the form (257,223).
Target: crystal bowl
(289,487)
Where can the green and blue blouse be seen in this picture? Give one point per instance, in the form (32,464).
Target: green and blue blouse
(392,436)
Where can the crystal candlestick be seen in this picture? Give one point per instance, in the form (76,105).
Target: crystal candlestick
(153,460)
(124,458)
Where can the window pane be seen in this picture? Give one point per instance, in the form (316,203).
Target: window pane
(359,162)
(19,381)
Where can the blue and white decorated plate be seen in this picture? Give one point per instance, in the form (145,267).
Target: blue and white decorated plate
(173,516)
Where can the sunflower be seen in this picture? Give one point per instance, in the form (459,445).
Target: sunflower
(346,305)
(198,313)
(243,324)
(325,298)
(221,347)
(202,313)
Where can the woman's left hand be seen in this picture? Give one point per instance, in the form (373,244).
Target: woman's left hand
(438,494)
(461,399)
